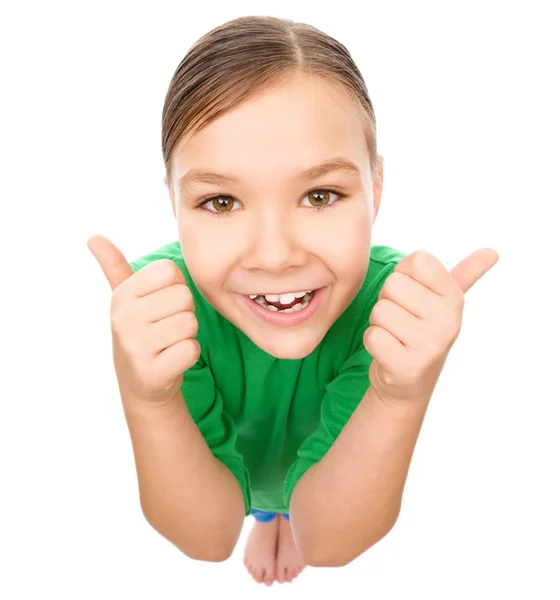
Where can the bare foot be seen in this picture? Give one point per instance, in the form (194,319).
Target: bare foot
(260,551)
(288,562)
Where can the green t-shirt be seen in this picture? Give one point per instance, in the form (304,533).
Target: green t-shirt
(269,419)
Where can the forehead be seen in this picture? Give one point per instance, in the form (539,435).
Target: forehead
(301,121)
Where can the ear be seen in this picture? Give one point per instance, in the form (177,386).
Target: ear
(378,185)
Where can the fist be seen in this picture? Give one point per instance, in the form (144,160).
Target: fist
(416,321)
(153,324)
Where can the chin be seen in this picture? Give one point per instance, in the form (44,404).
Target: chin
(289,349)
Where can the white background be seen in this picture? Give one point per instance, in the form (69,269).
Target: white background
(467,104)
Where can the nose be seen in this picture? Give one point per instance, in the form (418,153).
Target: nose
(274,243)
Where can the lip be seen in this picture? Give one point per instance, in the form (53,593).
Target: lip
(285,319)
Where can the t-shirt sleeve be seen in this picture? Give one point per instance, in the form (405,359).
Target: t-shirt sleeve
(206,406)
(341,398)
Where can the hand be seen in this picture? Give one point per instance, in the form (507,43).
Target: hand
(416,321)
(152,322)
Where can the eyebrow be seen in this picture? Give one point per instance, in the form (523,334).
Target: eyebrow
(338,164)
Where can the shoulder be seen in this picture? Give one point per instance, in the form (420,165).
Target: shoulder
(384,255)
(382,262)
(171,251)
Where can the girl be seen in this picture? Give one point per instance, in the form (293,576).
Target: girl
(245,350)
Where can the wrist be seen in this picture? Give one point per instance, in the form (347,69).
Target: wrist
(400,406)
(143,407)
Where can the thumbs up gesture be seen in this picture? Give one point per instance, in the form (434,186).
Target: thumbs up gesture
(152,323)
(416,321)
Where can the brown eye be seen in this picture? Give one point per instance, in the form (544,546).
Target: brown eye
(320,196)
(222,203)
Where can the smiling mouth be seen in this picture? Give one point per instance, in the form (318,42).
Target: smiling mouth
(294,305)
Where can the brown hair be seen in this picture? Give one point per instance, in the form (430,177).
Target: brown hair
(234,60)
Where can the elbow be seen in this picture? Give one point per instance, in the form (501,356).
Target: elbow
(324,560)
(344,554)
(219,556)
(212,557)
(202,554)
(199,553)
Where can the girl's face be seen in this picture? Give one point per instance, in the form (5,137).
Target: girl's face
(264,232)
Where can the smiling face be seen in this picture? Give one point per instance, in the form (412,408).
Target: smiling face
(265,232)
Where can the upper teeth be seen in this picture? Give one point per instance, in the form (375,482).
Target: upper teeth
(283,298)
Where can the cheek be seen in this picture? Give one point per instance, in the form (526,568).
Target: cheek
(206,258)
(348,254)
(350,233)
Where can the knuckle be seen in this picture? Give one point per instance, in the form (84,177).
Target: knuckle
(190,323)
(166,268)
(379,310)
(191,350)
(452,330)
(374,339)
(369,338)
(186,296)
(433,351)
(451,327)
(423,256)
(194,346)
(169,265)
(421,259)
(392,282)
(398,376)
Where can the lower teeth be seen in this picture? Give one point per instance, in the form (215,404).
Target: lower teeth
(305,302)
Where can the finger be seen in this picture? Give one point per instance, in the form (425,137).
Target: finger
(404,326)
(168,301)
(468,271)
(409,293)
(173,329)
(429,271)
(179,357)
(384,347)
(156,276)
(112,261)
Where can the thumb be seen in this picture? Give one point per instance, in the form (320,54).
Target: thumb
(111,260)
(473,267)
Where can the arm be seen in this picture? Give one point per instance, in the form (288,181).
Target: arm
(351,498)
(186,494)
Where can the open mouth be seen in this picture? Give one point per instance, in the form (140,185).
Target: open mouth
(286,303)
(285,310)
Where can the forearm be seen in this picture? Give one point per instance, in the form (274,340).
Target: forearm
(186,494)
(351,498)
